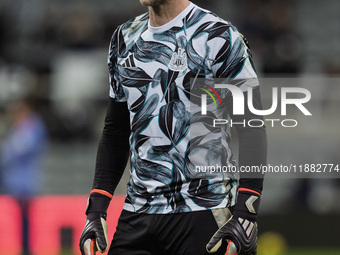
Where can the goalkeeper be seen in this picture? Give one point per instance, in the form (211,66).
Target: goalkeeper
(154,61)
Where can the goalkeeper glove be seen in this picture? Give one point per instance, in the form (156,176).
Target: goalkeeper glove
(240,230)
(94,235)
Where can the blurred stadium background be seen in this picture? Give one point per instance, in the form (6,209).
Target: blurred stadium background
(54,52)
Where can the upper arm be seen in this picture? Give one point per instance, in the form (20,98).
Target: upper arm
(116,89)
(117,121)
(231,59)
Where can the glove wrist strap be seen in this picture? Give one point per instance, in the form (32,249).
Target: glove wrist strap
(248,203)
(98,203)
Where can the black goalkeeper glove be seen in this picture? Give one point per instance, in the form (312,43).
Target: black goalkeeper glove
(94,235)
(240,231)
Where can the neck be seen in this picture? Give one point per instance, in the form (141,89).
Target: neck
(162,14)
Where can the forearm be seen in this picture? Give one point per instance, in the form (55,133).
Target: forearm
(252,145)
(113,149)
(252,152)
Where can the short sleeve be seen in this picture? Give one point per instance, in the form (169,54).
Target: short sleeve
(230,58)
(116,89)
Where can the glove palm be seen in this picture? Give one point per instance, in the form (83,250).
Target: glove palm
(240,230)
(94,235)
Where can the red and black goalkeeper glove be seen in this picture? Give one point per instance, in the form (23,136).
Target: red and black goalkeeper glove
(240,231)
(94,235)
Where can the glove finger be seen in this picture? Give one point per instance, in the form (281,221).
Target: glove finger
(231,248)
(216,240)
(101,237)
(213,247)
(89,247)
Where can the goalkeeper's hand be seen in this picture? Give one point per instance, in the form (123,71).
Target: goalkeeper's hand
(240,231)
(94,235)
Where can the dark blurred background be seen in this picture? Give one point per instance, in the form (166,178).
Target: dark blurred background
(53,54)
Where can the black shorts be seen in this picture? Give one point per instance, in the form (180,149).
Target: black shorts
(165,234)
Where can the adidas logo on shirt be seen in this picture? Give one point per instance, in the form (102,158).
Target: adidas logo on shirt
(129,62)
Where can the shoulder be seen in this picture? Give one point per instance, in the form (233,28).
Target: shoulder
(135,24)
(210,23)
(132,27)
